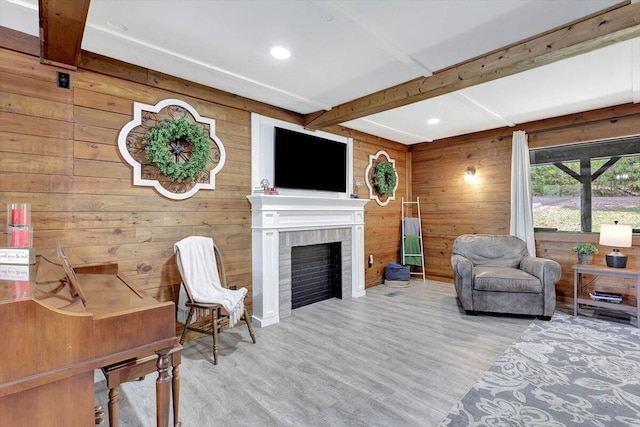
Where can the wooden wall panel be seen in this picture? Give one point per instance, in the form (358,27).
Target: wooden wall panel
(382,223)
(59,152)
(38,126)
(452,207)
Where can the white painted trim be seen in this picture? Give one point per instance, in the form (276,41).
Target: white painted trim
(272,214)
(262,129)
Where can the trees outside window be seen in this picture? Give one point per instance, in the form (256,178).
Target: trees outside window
(579,187)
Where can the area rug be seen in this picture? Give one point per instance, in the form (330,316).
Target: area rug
(565,372)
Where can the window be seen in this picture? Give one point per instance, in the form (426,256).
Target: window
(578,187)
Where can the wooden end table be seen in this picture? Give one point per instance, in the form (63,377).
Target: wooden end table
(580,298)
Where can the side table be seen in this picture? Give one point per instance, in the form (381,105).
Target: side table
(580,298)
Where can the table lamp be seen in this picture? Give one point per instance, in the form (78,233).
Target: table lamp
(618,236)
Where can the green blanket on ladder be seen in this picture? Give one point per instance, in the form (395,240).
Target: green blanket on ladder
(412,250)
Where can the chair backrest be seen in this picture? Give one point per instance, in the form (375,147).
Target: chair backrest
(199,257)
(491,250)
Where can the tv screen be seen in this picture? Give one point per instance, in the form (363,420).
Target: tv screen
(308,162)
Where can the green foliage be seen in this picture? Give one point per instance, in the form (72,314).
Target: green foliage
(614,194)
(585,249)
(568,219)
(622,179)
(158,139)
(385,178)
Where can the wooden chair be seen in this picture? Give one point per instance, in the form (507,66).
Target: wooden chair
(220,317)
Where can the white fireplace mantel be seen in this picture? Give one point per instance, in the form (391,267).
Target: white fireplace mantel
(273,214)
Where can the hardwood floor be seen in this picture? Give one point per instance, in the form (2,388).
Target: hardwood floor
(396,357)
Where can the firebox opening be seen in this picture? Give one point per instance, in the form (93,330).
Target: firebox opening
(316,273)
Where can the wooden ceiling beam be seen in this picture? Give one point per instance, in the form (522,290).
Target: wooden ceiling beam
(62,25)
(594,32)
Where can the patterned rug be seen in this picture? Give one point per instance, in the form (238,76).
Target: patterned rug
(565,372)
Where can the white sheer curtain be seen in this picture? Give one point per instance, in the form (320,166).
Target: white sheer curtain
(521,204)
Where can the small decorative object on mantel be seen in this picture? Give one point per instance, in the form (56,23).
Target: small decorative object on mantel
(381,178)
(585,252)
(357,184)
(172,148)
(266,188)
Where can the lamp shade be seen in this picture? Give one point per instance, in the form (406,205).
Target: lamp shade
(617,235)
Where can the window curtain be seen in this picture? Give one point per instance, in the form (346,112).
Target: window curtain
(521,202)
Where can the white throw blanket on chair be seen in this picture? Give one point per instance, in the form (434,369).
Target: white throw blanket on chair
(197,263)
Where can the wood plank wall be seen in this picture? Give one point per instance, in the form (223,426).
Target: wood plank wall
(59,153)
(452,207)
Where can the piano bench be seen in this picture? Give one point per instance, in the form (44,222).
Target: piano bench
(136,369)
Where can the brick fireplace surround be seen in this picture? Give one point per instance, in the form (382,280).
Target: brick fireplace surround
(281,222)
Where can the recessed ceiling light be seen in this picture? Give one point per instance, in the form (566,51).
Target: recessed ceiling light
(280,52)
(433,121)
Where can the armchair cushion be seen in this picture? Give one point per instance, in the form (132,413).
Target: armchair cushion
(505,279)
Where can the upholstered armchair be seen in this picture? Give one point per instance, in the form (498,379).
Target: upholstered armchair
(494,273)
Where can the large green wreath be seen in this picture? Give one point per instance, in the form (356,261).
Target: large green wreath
(164,145)
(385,178)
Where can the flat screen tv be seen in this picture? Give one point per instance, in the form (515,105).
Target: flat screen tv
(308,162)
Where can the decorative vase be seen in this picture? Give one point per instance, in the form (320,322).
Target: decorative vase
(585,258)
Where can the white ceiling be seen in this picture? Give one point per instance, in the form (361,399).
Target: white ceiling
(343,50)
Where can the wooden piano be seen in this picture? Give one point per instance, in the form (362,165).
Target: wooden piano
(60,324)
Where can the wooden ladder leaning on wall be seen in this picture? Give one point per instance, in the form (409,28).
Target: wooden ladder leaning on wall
(412,229)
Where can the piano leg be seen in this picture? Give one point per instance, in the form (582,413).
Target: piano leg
(162,388)
(175,390)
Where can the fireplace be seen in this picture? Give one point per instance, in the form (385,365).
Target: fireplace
(302,238)
(280,223)
(316,273)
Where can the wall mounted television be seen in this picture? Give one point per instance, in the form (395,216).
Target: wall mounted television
(308,162)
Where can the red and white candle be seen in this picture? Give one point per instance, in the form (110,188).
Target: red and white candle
(21,289)
(18,214)
(20,237)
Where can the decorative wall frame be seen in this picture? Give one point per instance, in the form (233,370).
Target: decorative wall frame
(132,148)
(381,157)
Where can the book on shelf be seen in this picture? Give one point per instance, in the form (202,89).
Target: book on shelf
(606,296)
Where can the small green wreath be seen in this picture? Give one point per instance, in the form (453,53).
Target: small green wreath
(166,149)
(385,178)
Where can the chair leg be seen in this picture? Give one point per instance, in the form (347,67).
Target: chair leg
(113,407)
(214,321)
(247,320)
(186,324)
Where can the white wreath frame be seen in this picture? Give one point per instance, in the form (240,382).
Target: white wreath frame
(372,192)
(137,167)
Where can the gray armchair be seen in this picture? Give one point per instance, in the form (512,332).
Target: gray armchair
(496,274)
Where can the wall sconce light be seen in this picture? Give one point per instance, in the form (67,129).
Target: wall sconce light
(618,236)
(469,174)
